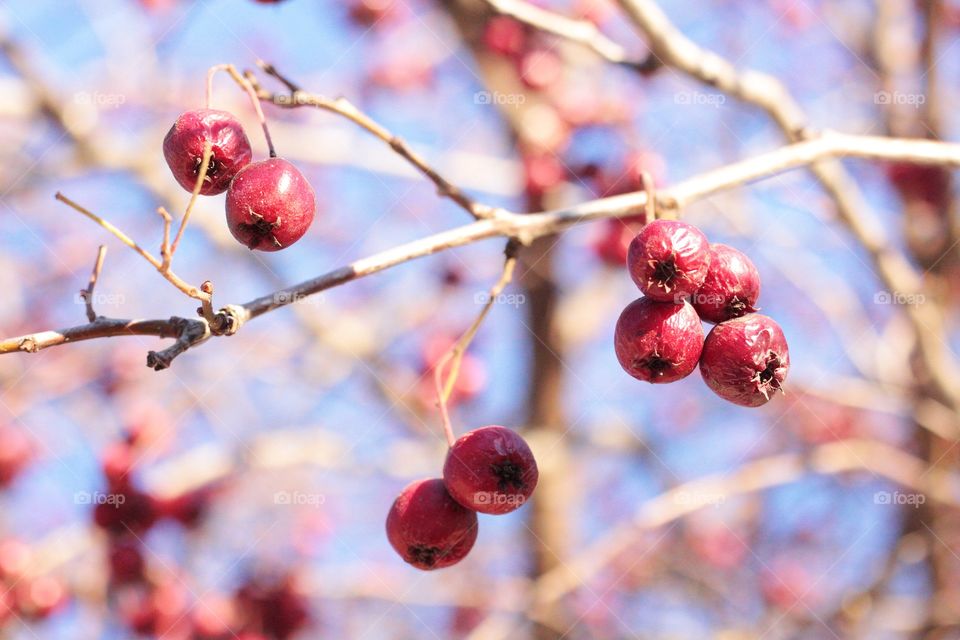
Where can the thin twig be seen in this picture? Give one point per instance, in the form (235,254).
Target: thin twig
(169,275)
(87,294)
(254,99)
(582,32)
(201,178)
(454,355)
(165,254)
(343,107)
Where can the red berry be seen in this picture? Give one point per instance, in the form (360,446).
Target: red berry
(275,607)
(428,528)
(183,149)
(270,205)
(490,470)
(126,561)
(614,242)
(16,451)
(731,288)
(367,13)
(669,260)
(505,36)
(658,342)
(117,462)
(131,510)
(745,359)
(929,183)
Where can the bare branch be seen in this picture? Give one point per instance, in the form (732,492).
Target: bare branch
(165,271)
(524,228)
(343,107)
(582,32)
(201,178)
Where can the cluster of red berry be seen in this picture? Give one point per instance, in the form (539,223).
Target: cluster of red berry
(270,205)
(433,522)
(659,337)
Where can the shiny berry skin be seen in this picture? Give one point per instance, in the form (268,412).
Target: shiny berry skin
(745,360)
(490,470)
(668,260)
(731,288)
(183,149)
(428,528)
(270,205)
(658,342)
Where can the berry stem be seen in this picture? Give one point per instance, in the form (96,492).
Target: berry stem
(650,206)
(454,356)
(251,92)
(201,177)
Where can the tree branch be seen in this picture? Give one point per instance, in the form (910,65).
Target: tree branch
(581,32)
(525,228)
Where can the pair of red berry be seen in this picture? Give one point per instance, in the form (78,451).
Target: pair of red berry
(685,279)
(433,522)
(270,205)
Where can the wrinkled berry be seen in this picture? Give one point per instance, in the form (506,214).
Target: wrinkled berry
(668,260)
(658,342)
(731,288)
(745,360)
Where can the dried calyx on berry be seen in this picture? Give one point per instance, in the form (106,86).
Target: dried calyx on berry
(668,260)
(658,342)
(490,470)
(746,360)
